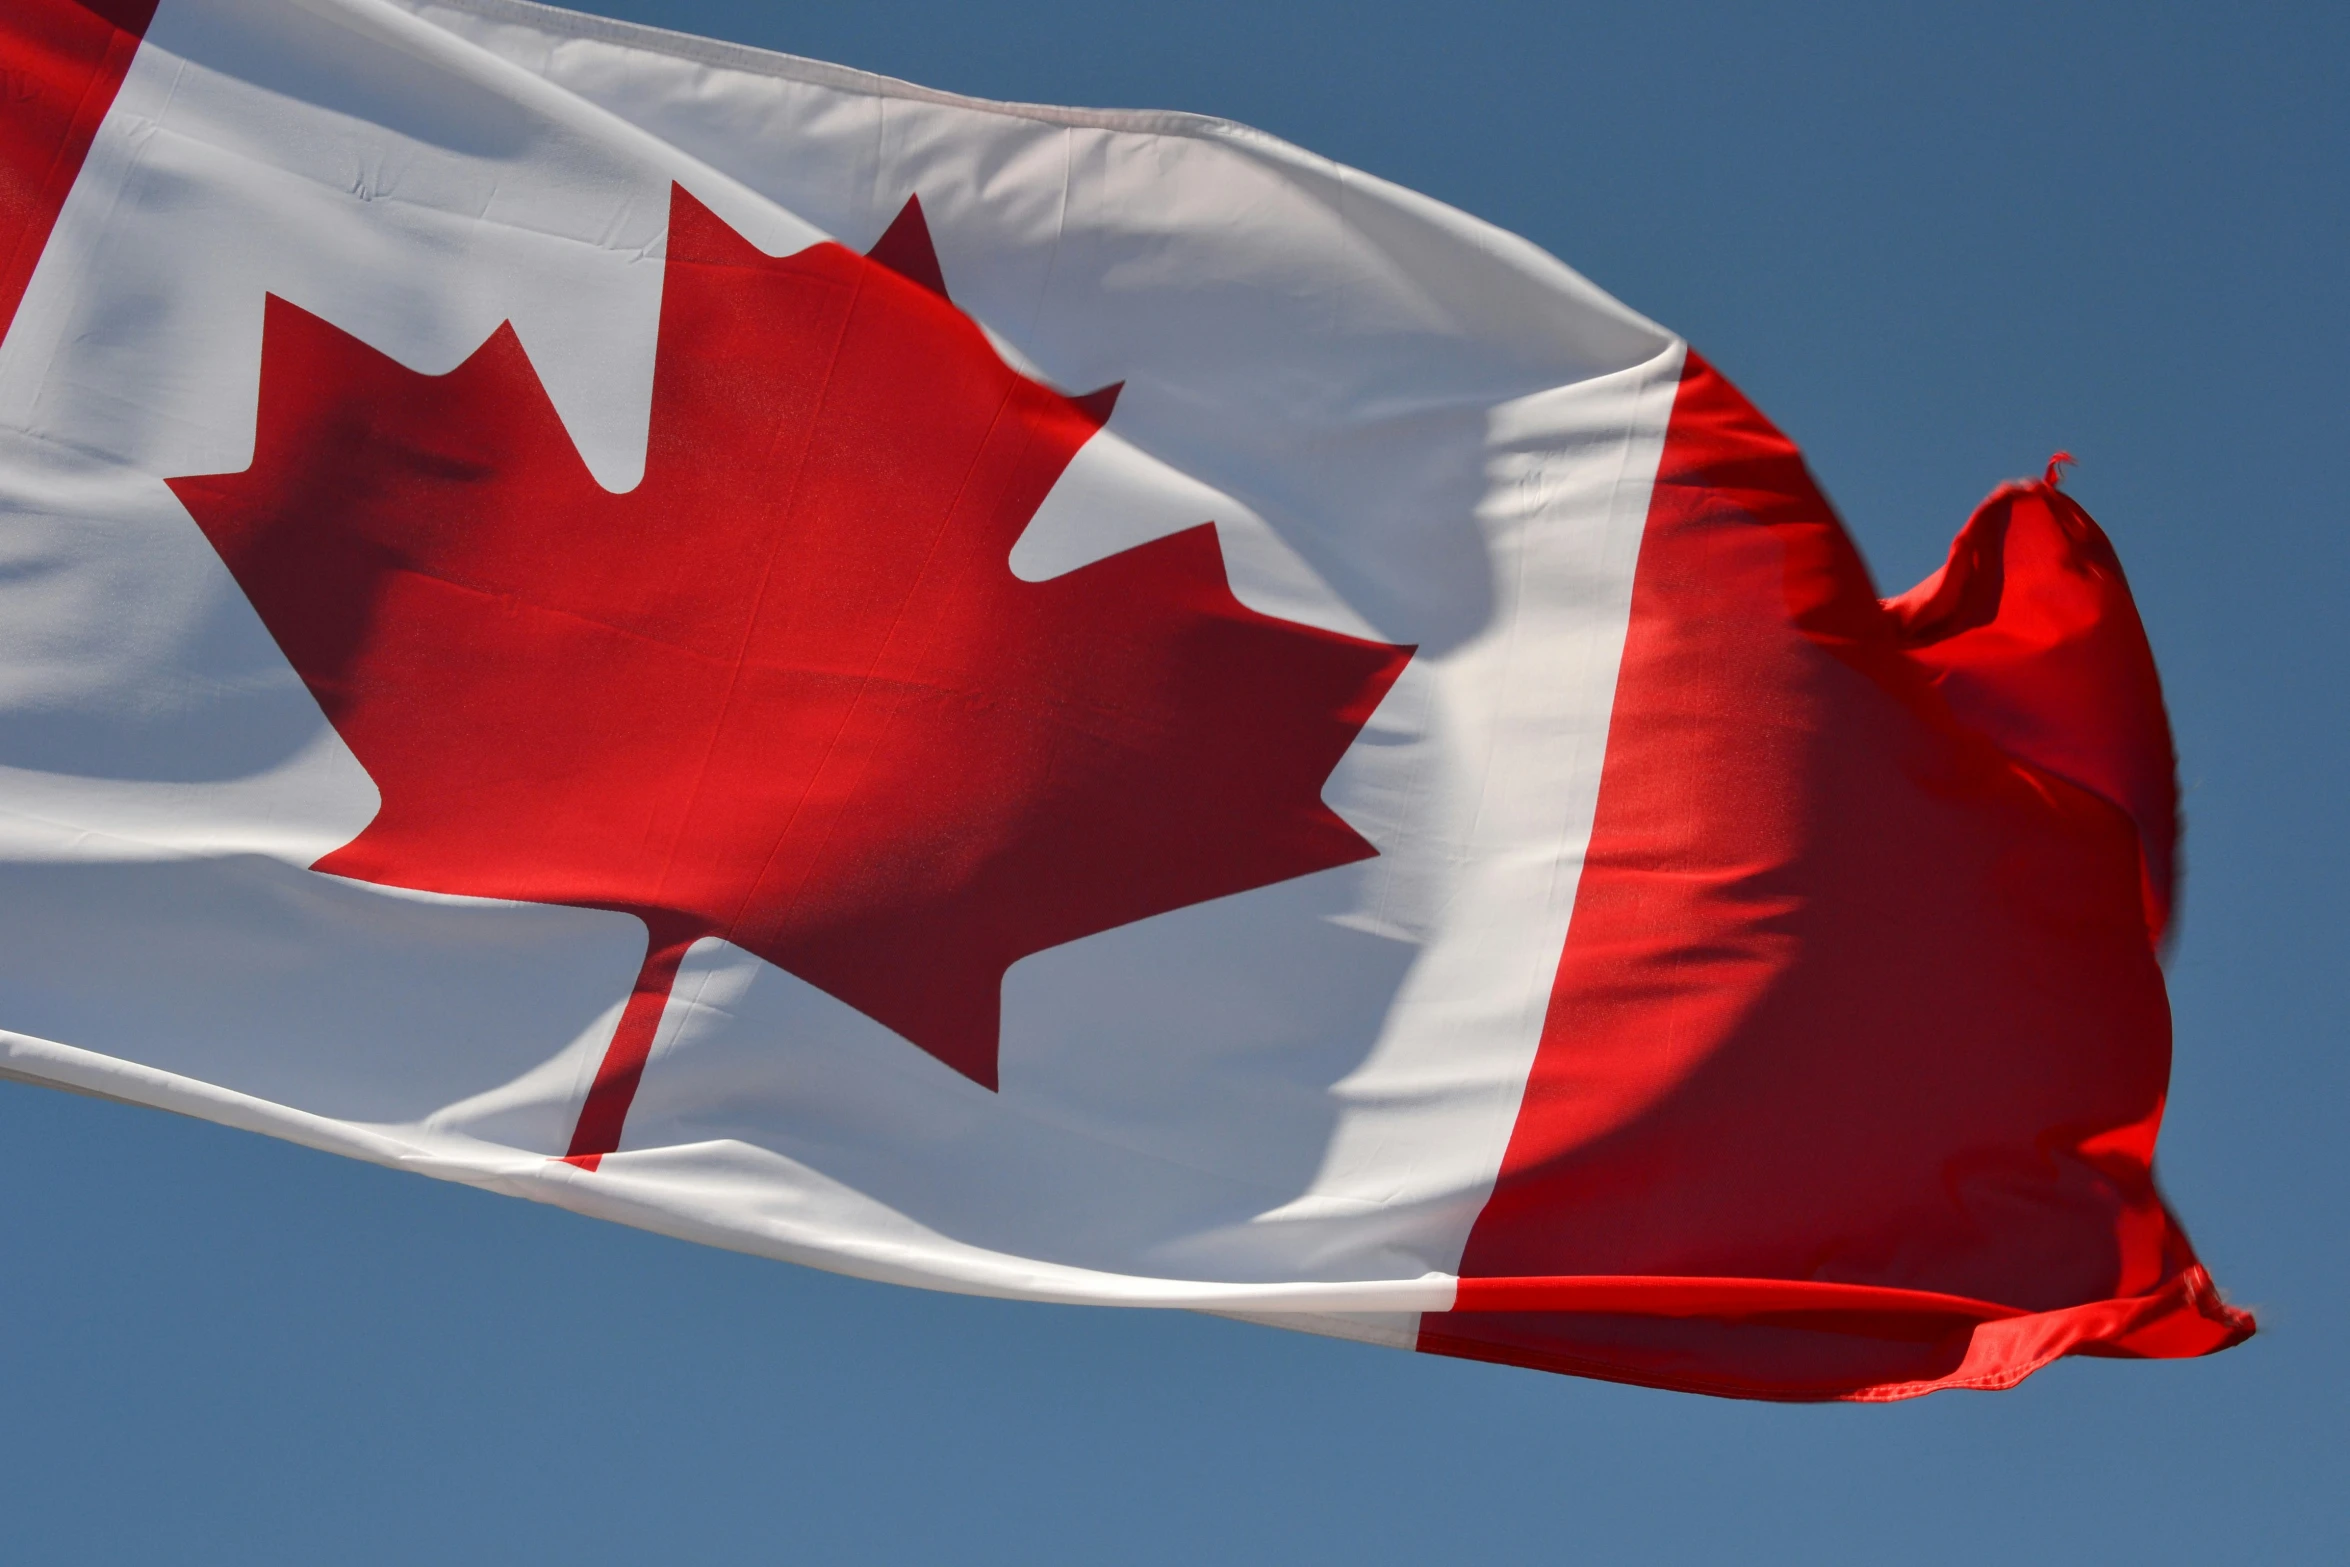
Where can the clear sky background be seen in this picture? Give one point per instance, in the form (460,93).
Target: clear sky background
(1936,244)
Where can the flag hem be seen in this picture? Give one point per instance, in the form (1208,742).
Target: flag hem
(2184,1319)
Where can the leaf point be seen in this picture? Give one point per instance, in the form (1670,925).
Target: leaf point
(1096,404)
(905,248)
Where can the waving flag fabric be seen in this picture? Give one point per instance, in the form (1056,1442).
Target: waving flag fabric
(1083,706)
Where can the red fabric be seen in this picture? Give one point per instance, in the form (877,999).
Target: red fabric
(2030,637)
(1851,1075)
(61,62)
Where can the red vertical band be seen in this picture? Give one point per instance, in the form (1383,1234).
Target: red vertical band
(1860,988)
(61,62)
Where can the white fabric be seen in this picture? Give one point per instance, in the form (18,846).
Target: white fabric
(1403,422)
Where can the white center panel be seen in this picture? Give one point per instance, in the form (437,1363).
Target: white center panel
(1403,424)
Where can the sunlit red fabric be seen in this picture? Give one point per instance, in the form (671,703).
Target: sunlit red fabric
(1852,1072)
(65,59)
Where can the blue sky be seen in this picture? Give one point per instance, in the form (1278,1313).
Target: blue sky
(1936,244)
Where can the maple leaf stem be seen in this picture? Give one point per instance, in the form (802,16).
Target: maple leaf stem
(623,1066)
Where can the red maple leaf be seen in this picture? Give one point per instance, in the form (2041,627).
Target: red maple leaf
(787,690)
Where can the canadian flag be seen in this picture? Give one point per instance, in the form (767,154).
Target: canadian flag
(1074,705)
